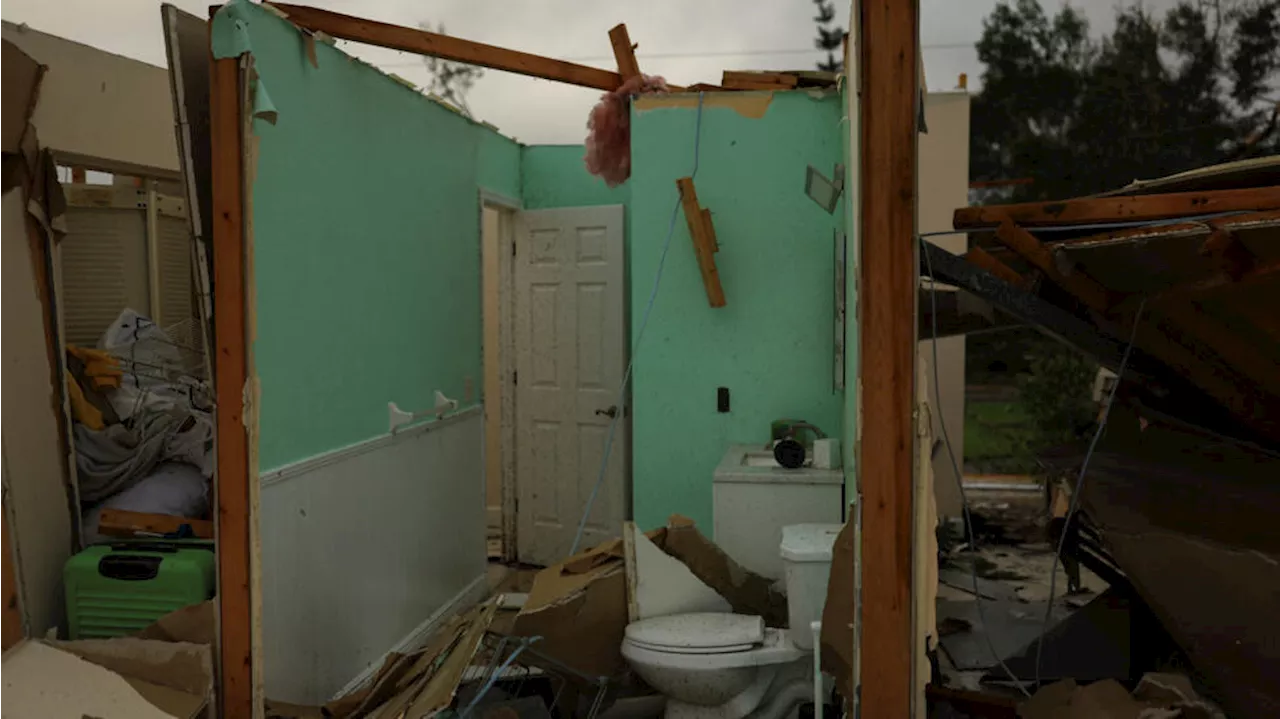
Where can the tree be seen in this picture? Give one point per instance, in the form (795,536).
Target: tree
(450,81)
(1156,97)
(830,36)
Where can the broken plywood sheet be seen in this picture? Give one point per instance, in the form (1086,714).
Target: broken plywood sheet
(659,585)
(43,681)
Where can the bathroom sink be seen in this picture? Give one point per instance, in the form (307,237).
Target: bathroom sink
(765,459)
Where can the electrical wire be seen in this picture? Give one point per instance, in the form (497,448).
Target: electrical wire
(635,347)
(524,644)
(1075,494)
(955,466)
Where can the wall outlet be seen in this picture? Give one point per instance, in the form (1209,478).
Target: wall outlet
(722,399)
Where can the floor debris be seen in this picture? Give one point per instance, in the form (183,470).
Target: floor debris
(1158,696)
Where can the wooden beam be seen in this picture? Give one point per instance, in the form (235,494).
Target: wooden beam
(1119,209)
(421,42)
(889,270)
(734,80)
(704,243)
(1080,285)
(986,261)
(123,523)
(231,485)
(624,52)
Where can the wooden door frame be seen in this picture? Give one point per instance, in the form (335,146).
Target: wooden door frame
(508,209)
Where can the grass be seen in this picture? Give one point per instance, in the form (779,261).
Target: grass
(998,437)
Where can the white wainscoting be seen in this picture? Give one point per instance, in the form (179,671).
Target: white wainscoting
(365,548)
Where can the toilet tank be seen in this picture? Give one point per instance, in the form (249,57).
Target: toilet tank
(806,561)
(753,499)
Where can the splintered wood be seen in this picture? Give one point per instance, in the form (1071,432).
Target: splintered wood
(702,232)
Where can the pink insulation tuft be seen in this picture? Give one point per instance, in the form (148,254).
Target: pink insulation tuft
(609,129)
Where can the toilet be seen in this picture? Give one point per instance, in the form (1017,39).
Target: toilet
(730,666)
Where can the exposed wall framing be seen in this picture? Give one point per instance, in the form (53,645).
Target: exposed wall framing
(889,41)
(231,489)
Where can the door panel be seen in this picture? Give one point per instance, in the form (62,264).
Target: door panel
(570,347)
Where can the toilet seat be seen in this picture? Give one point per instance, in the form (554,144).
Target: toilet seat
(707,641)
(698,633)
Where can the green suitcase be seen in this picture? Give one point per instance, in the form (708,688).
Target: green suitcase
(117,589)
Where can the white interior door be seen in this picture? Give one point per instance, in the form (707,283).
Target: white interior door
(570,348)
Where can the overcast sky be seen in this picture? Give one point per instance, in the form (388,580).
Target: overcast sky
(686,41)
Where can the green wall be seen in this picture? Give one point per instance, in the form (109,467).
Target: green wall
(772,344)
(366,242)
(555,176)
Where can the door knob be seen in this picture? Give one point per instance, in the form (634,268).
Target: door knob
(611,413)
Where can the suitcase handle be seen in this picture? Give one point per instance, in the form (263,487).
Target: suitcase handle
(129,568)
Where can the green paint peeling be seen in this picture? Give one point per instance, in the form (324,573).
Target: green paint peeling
(366,251)
(772,345)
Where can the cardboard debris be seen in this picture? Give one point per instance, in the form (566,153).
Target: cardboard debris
(579,607)
(837,615)
(1158,696)
(106,678)
(195,624)
(421,684)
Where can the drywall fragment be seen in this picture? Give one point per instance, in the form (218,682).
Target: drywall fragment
(749,104)
(41,682)
(229,36)
(664,585)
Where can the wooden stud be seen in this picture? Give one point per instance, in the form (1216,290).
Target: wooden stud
(887,335)
(1119,209)
(986,261)
(624,52)
(421,42)
(235,555)
(704,243)
(1080,285)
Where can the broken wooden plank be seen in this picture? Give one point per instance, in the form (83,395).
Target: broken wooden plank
(1119,209)
(624,52)
(421,42)
(704,243)
(124,523)
(986,261)
(710,229)
(1080,285)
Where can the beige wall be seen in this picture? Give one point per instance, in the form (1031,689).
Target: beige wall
(35,489)
(97,106)
(944,186)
